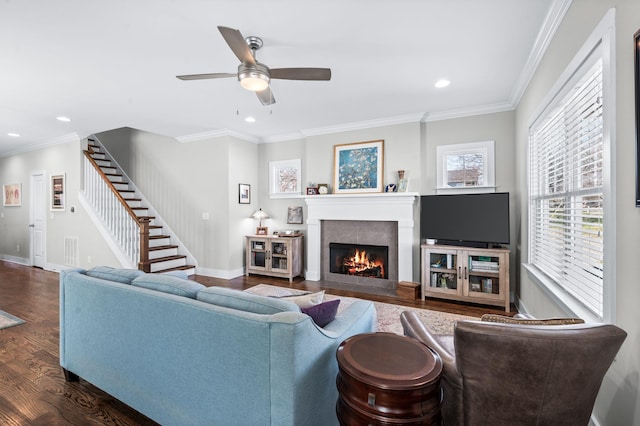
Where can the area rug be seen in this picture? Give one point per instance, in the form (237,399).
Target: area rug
(388,315)
(8,320)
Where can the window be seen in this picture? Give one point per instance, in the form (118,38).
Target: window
(467,167)
(569,183)
(285,179)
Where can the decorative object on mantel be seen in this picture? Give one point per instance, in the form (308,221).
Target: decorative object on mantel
(403,183)
(312,189)
(358,167)
(392,187)
(323,189)
(12,195)
(260,215)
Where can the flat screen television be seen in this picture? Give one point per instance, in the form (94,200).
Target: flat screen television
(473,220)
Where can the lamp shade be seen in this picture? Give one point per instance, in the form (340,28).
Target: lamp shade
(260,214)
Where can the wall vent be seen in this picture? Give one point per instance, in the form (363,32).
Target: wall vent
(71,252)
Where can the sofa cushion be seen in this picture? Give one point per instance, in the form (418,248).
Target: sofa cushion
(248,302)
(168,284)
(530,321)
(323,313)
(305,300)
(124,276)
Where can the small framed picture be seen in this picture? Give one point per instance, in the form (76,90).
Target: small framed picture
(244,193)
(12,195)
(57,192)
(312,191)
(294,215)
(262,230)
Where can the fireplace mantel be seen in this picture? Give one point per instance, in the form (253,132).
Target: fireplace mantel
(395,206)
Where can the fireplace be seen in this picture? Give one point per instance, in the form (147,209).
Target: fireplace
(395,209)
(346,239)
(359,259)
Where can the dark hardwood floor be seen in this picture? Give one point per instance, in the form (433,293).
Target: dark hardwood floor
(33,390)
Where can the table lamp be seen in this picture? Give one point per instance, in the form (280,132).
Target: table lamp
(261,214)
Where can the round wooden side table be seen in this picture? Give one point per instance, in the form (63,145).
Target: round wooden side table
(387,379)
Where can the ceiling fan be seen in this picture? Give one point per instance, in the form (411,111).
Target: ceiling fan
(254,75)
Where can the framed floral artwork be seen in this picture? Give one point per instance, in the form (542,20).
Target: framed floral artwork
(12,195)
(358,167)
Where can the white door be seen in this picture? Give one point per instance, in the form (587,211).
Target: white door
(38,219)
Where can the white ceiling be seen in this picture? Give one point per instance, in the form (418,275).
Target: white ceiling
(110,64)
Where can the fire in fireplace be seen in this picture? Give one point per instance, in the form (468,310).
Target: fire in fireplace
(359,260)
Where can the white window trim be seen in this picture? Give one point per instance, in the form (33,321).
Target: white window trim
(487,148)
(274,185)
(603,36)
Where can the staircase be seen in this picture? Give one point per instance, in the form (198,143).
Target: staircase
(132,223)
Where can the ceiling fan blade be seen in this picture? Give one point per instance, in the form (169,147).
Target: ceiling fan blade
(266,96)
(301,73)
(205,76)
(238,44)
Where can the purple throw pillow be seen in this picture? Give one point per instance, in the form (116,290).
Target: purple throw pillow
(323,313)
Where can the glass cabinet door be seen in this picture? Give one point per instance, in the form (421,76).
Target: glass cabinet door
(443,270)
(278,253)
(258,254)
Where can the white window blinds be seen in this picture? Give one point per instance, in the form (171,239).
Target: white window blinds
(566,216)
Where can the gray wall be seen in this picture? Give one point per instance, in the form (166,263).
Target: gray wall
(14,221)
(618,400)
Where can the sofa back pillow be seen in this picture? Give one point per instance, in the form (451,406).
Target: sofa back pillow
(168,284)
(236,299)
(124,276)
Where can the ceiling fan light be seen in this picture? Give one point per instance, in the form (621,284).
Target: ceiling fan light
(254,81)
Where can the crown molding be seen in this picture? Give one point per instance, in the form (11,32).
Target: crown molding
(360,125)
(70,137)
(468,112)
(552,21)
(212,134)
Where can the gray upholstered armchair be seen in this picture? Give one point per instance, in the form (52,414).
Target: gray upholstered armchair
(497,373)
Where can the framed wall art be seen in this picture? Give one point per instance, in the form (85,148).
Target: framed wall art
(12,195)
(57,192)
(294,215)
(285,178)
(244,193)
(358,167)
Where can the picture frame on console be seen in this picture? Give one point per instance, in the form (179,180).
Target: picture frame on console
(358,167)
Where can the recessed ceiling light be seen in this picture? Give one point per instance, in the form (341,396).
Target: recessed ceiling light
(63,118)
(250,119)
(14,135)
(442,83)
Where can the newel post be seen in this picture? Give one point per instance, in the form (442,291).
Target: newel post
(144,264)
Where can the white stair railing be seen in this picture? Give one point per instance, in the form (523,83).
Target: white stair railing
(116,217)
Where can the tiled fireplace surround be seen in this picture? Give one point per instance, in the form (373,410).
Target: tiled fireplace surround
(375,219)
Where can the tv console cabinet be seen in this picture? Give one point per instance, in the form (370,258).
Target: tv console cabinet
(274,256)
(466,274)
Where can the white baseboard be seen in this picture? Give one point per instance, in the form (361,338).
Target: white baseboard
(15,259)
(219,273)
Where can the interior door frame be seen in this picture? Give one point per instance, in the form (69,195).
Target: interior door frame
(32,207)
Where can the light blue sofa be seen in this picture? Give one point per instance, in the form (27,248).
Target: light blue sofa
(234,359)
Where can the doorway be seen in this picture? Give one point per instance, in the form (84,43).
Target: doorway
(38,222)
